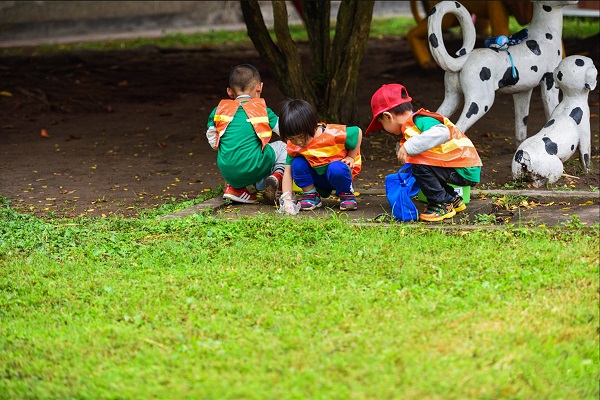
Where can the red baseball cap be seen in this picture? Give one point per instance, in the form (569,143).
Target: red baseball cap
(384,99)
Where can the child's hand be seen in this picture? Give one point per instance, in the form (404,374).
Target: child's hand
(402,155)
(349,161)
(288,205)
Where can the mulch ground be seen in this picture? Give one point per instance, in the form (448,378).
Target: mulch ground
(109,133)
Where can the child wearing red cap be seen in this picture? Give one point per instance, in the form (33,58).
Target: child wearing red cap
(438,151)
(321,157)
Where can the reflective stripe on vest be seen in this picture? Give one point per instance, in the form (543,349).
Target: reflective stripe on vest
(255,109)
(457,152)
(329,146)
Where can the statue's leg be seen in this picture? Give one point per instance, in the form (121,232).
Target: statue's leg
(521,101)
(549,94)
(479,98)
(585,146)
(453,95)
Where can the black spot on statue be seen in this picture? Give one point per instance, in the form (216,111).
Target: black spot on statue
(534,68)
(457,4)
(547,8)
(433,10)
(549,123)
(558,52)
(548,36)
(525,118)
(433,41)
(572,147)
(507,78)
(549,78)
(576,114)
(587,86)
(551,147)
(534,47)
(473,110)
(485,74)
(586,160)
(462,52)
(559,75)
(579,62)
(486,108)
(519,156)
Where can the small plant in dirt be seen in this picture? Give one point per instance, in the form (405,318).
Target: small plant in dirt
(484,219)
(509,201)
(574,222)
(515,185)
(489,185)
(563,188)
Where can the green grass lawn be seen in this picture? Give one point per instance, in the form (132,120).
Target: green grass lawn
(280,308)
(380,28)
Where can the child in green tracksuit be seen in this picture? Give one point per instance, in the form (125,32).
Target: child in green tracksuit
(240,130)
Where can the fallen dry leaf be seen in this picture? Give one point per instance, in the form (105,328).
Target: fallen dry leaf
(44,133)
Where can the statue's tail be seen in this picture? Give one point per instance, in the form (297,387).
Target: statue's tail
(436,40)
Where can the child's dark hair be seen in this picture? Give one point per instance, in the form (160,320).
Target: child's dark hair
(402,108)
(243,76)
(297,117)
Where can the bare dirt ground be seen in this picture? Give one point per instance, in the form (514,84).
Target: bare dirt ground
(124,130)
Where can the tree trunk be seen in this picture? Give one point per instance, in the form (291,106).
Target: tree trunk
(332,84)
(317,17)
(351,36)
(284,61)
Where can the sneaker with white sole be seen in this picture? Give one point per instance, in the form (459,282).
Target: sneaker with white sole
(348,202)
(239,195)
(310,201)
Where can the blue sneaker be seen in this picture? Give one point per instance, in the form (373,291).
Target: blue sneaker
(348,202)
(310,201)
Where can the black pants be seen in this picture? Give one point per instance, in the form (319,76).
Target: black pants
(434,181)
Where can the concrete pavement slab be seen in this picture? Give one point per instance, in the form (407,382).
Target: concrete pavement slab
(487,207)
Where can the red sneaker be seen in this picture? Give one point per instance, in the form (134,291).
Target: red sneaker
(239,195)
(273,187)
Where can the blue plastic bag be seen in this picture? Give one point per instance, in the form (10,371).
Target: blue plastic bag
(399,188)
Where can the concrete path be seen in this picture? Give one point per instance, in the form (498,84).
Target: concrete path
(550,208)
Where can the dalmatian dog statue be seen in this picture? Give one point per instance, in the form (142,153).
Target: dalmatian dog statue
(540,157)
(477,74)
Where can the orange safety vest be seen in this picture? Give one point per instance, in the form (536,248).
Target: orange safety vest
(328,147)
(457,152)
(255,109)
